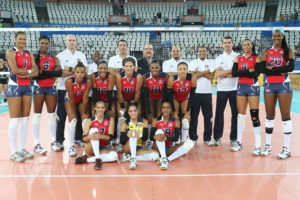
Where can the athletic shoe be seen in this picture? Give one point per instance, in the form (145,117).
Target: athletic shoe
(98,164)
(267,150)
(80,143)
(149,144)
(17,157)
(81,160)
(164,163)
(285,153)
(236,146)
(60,145)
(26,154)
(208,143)
(39,150)
(132,163)
(256,151)
(110,146)
(72,151)
(125,157)
(119,148)
(114,141)
(217,142)
(159,160)
(55,147)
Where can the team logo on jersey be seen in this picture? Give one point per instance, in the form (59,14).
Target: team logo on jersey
(281,51)
(124,82)
(19,55)
(160,81)
(105,123)
(26,55)
(271,52)
(131,81)
(251,58)
(206,66)
(150,82)
(140,125)
(187,84)
(83,87)
(50,57)
(170,125)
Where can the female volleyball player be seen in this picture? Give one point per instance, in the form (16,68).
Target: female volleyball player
(97,132)
(3,81)
(45,91)
(77,97)
(181,91)
(134,131)
(103,83)
(165,131)
(22,69)
(276,63)
(247,68)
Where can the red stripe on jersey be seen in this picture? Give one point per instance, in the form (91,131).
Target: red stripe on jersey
(78,90)
(182,90)
(275,59)
(48,64)
(244,64)
(168,128)
(102,87)
(128,86)
(23,62)
(156,87)
(102,127)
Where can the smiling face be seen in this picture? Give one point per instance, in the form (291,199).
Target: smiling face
(96,56)
(148,51)
(79,74)
(128,68)
(166,109)
(102,70)
(202,53)
(182,70)
(44,45)
(277,38)
(227,44)
(100,108)
(122,47)
(133,112)
(71,42)
(20,41)
(154,69)
(247,46)
(176,53)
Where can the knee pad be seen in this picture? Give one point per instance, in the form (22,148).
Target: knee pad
(287,126)
(51,118)
(159,131)
(83,123)
(269,126)
(188,144)
(73,123)
(255,117)
(36,118)
(93,130)
(241,118)
(185,123)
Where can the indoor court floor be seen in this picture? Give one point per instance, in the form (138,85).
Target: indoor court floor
(205,173)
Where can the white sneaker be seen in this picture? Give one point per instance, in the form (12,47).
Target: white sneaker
(80,143)
(125,157)
(60,145)
(217,142)
(256,151)
(26,154)
(110,146)
(72,151)
(132,163)
(208,143)
(39,150)
(285,153)
(236,146)
(164,163)
(119,148)
(17,157)
(267,150)
(55,147)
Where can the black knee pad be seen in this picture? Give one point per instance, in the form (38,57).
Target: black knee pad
(255,117)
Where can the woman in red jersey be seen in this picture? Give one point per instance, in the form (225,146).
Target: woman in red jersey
(45,91)
(247,68)
(181,90)
(77,97)
(97,132)
(22,68)
(276,63)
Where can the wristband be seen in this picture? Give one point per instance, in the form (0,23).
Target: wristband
(122,105)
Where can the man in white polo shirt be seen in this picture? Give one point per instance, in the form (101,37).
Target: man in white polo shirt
(170,66)
(203,69)
(68,60)
(226,89)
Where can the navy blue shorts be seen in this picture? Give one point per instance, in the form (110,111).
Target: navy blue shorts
(18,91)
(47,91)
(278,88)
(246,90)
(167,150)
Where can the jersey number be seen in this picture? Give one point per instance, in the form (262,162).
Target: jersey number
(101,131)
(156,89)
(181,90)
(25,64)
(46,65)
(128,90)
(167,132)
(244,66)
(102,90)
(276,62)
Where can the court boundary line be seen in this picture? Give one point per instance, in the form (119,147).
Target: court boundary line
(145,175)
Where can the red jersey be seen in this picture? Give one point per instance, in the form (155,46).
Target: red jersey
(78,90)
(23,61)
(168,128)
(182,90)
(102,87)
(244,64)
(48,64)
(102,127)
(156,87)
(276,59)
(128,86)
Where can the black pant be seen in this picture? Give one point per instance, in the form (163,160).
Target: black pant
(61,113)
(222,98)
(204,102)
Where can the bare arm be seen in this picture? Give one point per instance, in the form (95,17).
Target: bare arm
(11,59)
(119,88)
(220,73)
(138,88)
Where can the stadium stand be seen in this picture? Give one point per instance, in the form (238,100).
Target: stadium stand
(286,7)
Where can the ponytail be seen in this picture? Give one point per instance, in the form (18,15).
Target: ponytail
(286,49)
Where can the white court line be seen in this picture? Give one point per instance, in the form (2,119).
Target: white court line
(144,175)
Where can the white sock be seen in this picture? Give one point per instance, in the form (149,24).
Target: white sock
(179,152)
(184,134)
(83,124)
(133,144)
(152,156)
(287,140)
(161,148)
(71,131)
(91,159)
(149,130)
(36,128)
(52,125)
(109,157)
(95,145)
(23,132)
(257,136)
(12,133)
(268,138)
(240,131)
(120,121)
